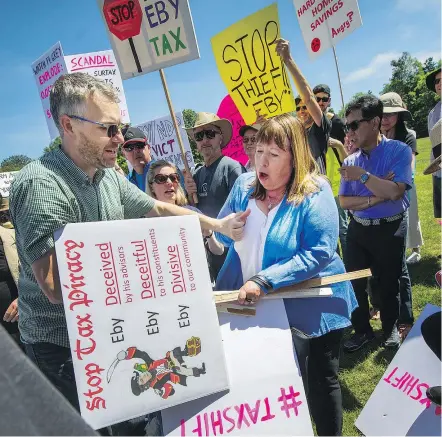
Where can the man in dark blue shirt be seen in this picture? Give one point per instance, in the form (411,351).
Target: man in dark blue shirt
(137,152)
(373,184)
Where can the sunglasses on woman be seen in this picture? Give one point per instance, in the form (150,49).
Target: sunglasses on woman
(112,129)
(437,81)
(322,99)
(246,140)
(208,133)
(298,108)
(132,146)
(354,125)
(162,178)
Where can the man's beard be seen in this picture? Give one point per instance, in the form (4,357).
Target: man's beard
(92,153)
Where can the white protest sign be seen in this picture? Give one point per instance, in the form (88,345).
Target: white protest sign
(326,22)
(399,405)
(5,182)
(47,69)
(148,36)
(266,394)
(102,65)
(163,141)
(142,324)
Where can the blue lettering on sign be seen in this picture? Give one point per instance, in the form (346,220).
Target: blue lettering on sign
(160,14)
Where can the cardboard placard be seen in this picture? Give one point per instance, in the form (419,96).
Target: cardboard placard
(266,394)
(163,141)
(47,69)
(251,70)
(6,179)
(142,323)
(325,23)
(398,404)
(166,37)
(101,65)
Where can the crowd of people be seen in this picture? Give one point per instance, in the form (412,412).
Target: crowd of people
(272,223)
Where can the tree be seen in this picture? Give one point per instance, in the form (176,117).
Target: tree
(341,113)
(189,116)
(408,80)
(14,163)
(53,145)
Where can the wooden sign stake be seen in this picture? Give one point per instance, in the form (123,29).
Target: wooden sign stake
(177,129)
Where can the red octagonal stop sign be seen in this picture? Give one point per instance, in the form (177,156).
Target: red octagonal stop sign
(123,17)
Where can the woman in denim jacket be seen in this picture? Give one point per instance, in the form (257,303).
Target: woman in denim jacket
(291,235)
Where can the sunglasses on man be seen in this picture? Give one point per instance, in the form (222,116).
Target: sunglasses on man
(246,140)
(354,125)
(208,133)
(112,129)
(298,108)
(322,99)
(132,146)
(162,178)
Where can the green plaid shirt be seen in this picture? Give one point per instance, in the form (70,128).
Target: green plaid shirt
(46,195)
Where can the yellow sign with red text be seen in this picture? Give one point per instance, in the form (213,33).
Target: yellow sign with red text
(253,73)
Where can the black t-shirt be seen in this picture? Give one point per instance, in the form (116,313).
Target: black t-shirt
(338,129)
(318,141)
(214,184)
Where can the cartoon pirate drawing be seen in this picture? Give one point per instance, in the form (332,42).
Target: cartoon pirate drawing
(160,374)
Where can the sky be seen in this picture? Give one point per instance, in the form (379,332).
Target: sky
(390,27)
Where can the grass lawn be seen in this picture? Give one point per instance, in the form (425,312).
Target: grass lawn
(362,370)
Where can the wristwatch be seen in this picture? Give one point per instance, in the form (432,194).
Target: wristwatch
(364,177)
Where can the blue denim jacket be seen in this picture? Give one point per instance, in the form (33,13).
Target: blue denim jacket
(301,244)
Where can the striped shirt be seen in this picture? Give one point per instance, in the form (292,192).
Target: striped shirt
(46,195)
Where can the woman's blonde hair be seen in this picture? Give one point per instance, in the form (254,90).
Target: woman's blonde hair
(158,165)
(289,133)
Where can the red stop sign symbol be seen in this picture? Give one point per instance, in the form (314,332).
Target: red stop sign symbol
(123,17)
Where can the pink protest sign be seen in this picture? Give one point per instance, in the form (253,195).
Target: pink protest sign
(227,109)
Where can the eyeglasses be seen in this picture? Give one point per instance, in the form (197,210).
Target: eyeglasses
(112,129)
(354,125)
(246,140)
(132,146)
(389,114)
(437,81)
(209,133)
(298,108)
(322,99)
(162,178)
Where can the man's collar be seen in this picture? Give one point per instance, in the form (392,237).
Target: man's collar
(76,172)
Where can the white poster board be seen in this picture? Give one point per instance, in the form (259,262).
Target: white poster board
(266,394)
(325,23)
(167,37)
(47,69)
(134,292)
(101,65)
(399,405)
(163,140)
(5,182)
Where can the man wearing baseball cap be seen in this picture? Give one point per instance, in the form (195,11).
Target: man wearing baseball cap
(248,134)
(137,152)
(433,83)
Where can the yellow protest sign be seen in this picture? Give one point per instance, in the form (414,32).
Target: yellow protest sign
(250,68)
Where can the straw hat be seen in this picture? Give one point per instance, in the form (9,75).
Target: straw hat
(393,103)
(206,118)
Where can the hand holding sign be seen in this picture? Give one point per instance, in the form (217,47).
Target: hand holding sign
(283,48)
